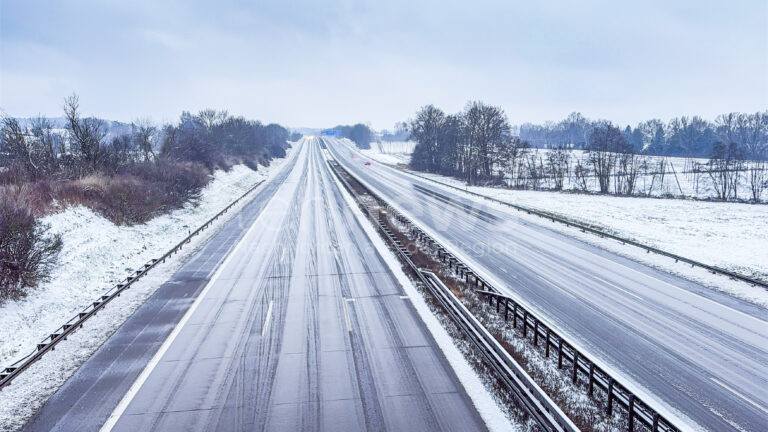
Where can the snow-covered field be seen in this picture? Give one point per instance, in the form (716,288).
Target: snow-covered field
(391,152)
(682,177)
(658,176)
(96,255)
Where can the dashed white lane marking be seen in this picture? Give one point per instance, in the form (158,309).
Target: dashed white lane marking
(555,285)
(618,288)
(266,320)
(734,391)
(346,313)
(404,297)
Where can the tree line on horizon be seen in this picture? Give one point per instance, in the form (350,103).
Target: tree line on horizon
(479,146)
(685,136)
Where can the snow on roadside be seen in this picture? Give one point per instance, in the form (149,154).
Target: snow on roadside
(96,255)
(391,152)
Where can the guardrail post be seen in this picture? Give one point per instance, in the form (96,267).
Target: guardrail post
(525,323)
(547,348)
(655,422)
(609,407)
(535,333)
(514,316)
(575,366)
(498,303)
(560,353)
(506,309)
(631,422)
(591,378)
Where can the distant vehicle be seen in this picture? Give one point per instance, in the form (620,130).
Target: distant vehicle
(367,163)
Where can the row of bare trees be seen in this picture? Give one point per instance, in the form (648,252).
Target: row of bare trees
(477,145)
(86,145)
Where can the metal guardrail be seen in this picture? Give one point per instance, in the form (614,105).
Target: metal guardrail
(60,334)
(532,398)
(601,233)
(616,393)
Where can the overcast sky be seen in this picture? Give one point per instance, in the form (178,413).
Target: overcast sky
(304,63)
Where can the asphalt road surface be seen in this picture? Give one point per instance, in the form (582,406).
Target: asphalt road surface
(294,323)
(703,353)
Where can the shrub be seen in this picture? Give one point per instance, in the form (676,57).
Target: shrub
(138,192)
(27,251)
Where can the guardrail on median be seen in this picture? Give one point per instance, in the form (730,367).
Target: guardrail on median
(49,343)
(615,391)
(533,400)
(601,233)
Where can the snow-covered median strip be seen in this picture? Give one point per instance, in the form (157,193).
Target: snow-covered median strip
(96,255)
(483,401)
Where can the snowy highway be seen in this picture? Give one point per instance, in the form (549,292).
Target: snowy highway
(700,355)
(289,319)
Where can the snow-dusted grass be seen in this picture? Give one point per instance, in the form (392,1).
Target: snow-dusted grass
(96,255)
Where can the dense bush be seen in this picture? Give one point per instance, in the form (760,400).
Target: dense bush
(27,251)
(137,193)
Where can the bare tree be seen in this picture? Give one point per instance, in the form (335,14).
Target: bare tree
(15,147)
(758,179)
(581,172)
(605,144)
(558,161)
(49,144)
(144,133)
(724,169)
(86,136)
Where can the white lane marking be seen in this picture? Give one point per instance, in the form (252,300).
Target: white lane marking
(554,285)
(266,320)
(618,288)
(404,297)
(136,386)
(346,313)
(734,391)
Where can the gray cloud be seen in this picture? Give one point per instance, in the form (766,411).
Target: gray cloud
(319,63)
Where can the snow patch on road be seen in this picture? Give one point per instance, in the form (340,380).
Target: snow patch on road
(96,255)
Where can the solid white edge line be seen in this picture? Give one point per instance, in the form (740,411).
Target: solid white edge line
(136,386)
(266,320)
(732,390)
